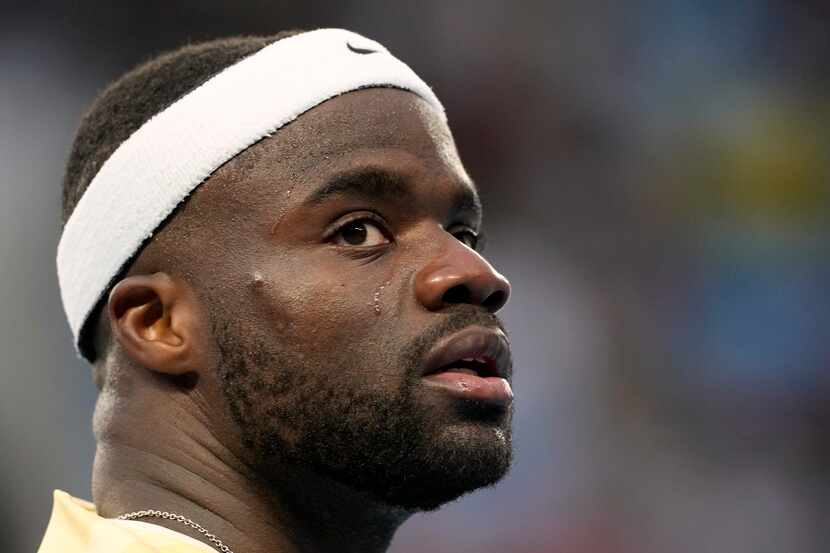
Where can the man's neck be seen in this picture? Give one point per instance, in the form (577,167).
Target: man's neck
(182,468)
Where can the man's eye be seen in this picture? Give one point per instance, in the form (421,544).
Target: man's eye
(467,237)
(360,233)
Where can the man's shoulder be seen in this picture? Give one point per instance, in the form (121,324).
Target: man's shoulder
(76,527)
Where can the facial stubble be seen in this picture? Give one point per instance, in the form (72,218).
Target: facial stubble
(386,442)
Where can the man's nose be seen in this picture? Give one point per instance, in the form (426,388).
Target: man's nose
(459,275)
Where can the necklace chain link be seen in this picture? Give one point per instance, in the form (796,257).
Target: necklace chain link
(178,518)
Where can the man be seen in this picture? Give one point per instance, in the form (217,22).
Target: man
(271,261)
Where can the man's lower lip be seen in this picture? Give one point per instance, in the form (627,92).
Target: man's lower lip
(491,389)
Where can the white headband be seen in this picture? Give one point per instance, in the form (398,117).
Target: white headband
(162,162)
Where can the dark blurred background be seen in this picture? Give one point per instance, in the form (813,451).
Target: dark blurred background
(655,176)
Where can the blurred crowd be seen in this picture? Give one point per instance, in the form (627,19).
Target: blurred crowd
(655,179)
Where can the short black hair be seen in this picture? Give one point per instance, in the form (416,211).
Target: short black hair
(133,99)
(129,102)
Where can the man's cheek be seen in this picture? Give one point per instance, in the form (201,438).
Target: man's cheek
(328,308)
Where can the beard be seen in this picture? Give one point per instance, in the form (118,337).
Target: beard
(370,430)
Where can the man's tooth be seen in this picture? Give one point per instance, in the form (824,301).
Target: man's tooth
(462,370)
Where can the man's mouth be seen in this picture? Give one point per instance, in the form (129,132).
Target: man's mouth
(473,364)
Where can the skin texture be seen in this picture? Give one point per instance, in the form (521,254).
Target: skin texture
(263,372)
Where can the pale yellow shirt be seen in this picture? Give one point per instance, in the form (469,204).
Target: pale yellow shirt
(75,527)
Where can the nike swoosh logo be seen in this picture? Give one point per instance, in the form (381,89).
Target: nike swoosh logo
(360,50)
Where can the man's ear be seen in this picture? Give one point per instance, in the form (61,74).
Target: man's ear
(156,320)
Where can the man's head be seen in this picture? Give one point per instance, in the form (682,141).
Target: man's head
(322,289)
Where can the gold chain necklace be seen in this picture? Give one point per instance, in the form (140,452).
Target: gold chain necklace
(178,518)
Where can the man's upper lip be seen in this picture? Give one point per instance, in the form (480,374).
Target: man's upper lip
(476,342)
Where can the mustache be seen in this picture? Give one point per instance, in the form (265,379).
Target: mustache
(457,318)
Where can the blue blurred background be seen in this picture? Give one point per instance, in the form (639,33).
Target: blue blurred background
(655,177)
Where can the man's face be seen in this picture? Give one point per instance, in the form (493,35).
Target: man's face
(335,267)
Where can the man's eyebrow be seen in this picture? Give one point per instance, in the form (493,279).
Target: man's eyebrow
(381,184)
(371,184)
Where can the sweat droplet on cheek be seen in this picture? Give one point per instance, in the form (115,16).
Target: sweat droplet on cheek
(257,281)
(272,306)
(376,298)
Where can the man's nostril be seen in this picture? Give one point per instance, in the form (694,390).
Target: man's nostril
(495,301)
(456,294)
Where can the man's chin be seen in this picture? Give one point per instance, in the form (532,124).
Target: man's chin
(464,458)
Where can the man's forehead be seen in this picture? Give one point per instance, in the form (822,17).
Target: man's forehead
(379,117)
(391,128)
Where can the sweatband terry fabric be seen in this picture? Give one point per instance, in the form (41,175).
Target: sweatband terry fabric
(162,162)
